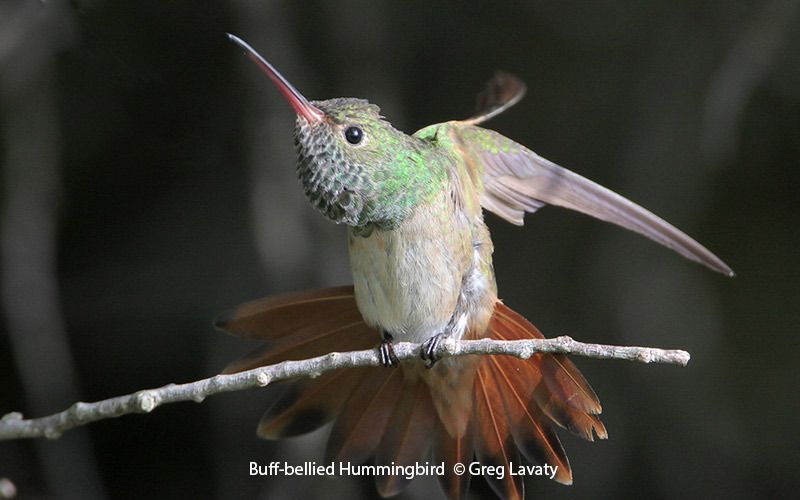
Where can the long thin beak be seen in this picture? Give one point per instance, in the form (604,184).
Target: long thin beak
(300,104)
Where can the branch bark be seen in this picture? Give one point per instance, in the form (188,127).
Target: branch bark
(14,426)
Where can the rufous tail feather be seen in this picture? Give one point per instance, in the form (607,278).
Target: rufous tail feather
(490,408)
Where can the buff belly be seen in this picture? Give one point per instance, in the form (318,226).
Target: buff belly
(407,281)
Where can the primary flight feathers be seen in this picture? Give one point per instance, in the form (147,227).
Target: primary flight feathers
(517,180)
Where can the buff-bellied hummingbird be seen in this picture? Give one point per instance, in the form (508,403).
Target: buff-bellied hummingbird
(421,259)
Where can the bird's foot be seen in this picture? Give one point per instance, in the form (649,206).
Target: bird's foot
(429,348)
(386,351)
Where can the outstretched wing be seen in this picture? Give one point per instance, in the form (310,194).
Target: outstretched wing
(517,180)
(514,180)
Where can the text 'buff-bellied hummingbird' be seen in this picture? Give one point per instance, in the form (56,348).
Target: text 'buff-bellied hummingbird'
(421,258)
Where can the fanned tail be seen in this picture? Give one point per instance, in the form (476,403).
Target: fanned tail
(450,451)
(299,326)
(357,432)
(565,396)
(408,436)
(535,393)
(494,444)
(494,407)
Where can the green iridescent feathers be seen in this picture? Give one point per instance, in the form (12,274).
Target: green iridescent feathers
(376,182)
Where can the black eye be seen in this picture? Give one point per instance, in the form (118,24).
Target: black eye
(354,135)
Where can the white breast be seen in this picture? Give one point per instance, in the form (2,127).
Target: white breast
(407,281)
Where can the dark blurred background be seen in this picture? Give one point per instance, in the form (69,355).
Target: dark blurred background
(148,184)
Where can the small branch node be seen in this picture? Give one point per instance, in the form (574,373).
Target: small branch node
(78,409)
(263,378)
(10,418)
(146,401)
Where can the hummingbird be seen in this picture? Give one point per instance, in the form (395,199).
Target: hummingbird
(421,260)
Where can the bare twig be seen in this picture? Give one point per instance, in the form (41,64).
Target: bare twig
(13,426)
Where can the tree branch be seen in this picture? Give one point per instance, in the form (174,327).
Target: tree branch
(13,426)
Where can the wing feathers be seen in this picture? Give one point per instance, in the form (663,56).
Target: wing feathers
(515,179)
(502,91)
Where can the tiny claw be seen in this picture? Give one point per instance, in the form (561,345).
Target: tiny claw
(429,348)
(386,351)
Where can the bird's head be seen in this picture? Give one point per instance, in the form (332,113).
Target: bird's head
(354,166)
